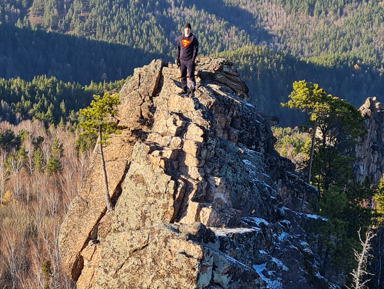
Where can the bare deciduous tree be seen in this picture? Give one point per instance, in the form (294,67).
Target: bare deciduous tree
(29,224)
(360,274)
(3,175)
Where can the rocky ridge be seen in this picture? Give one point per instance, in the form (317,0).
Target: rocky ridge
(369,151)
(202,199)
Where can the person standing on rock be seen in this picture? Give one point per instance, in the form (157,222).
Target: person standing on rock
(187,47)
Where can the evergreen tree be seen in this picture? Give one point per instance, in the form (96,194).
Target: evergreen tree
(54,164)
(38,160)
(335,127)
(336,121)
(379,199)
(100,119)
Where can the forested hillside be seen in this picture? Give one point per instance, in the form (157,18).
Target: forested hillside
(27,53)
(47,99)
(302,28)
(269,76)
(337,44)
(55,54)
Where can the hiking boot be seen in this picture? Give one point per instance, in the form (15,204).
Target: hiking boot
(191,92)
(192,89)
(184,91)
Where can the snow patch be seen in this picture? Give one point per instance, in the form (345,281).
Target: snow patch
(279,264)
(256,221)
(226,231)
(308,216)
(285,222)
(265,175)
(320,277)
(249,163)
(253,172)
(272,284)
(306,248)
(283,236)
(315,217)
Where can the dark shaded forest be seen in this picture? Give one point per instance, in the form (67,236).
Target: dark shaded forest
(337,44)
(269,76)
(27,53)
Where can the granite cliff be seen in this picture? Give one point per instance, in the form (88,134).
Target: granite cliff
(369,152)
(202,199)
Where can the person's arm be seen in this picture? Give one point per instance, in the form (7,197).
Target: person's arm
(195,48)
(178,52)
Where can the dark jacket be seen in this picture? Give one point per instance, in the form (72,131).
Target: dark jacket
(187,47)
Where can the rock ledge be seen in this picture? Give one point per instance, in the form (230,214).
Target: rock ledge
(202,199)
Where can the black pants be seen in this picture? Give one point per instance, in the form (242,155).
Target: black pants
(190,67)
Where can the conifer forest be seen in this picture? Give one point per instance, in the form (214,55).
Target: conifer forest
(55,55)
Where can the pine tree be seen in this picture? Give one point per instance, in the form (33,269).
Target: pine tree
(379,198)
(100,119)
(337,122)
(54,164)
(335,126)
(313,101)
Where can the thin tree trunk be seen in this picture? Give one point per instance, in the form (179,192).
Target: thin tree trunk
(311,152)
(324,261)
(379,258)
(360,274)
(107,197)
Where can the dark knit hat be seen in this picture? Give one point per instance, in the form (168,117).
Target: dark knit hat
(187,26)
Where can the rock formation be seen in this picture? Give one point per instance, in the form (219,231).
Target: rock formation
(202,199)
(370,151)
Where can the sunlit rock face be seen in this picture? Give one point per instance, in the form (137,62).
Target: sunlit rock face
(201,198)
(370,150)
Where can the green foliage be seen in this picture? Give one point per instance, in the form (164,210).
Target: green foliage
(308,28)
(54,164)
(38,160)
(338,121)
(330,167)
(312,100)
(28,53)
(9,140)
(379,199)
(100,117)
(105,40)
(85,142)
(337,125)
(16,158)
(269,76)
(346,214)
(293,144)
(46,99)
(57,149)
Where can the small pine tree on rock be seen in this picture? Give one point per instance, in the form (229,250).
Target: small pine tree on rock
(100,119)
